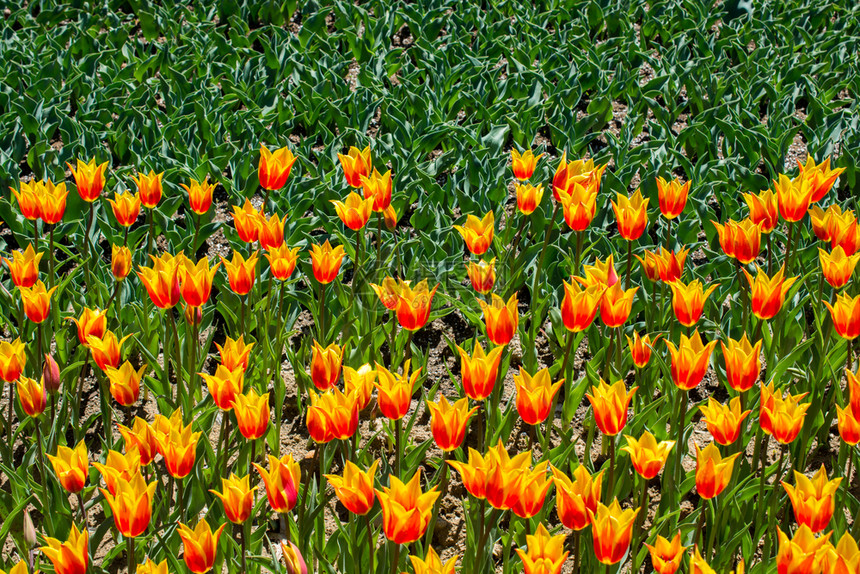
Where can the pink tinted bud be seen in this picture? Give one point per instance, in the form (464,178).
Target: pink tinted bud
(51,374)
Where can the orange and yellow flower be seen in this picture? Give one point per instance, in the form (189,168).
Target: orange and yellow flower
(616,304)
(713,471)
(690,360)
(389,292)
(535,394)
(641,348)
(473,473)
(252,414)
(602,273)
(29,199)
(237,496)
(768,294)
(119,467)
(666,555)
(24,267)
(672,196)
(126,207)
(241,272)
(846,315)
(406,511)
(332,415)
(724,421)
(120,264)
(247,222)
(580,305)
(378,187)
(355,488)
(71,556)
(196,280)
(631,214)
(224,385)
(71,466)
(483,275)
(802,554)
(612,529)
(688,301)
(479,372)
(610,406)
(813,500)
(837,267)
(432,564)
(579,204)
(355,211)
(545,554)
(395,391)
(199,195)
(107,351)
(505,476)
(743,363)
(448,421)
(32,396)
(131,504)
(577,499)
(579,171)
(235,353)
(478,233)
(501,319)
(149,188)
(647,455)
(200,545)
(162,280)
(89,179)
(37,301)
(13,359)
(274,168)
(271,234)
(820,177)
(125,382)
(326,365)
(359,383)
(740,240)
(523,165)
(178,447)
(793,196)
(140,437)
(781,416)
(356,163)
(529,197)
(282,261)
(413,306)
(326,261)
(282,482)
(534,484)
(763,209)
(53,202)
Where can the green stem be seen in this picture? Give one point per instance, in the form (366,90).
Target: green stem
(534,293)
(151,234)
(178,366)
(629,264)
(52,278)
(322,313)
(398,444)
(371,546)
(611,483)
(132,563)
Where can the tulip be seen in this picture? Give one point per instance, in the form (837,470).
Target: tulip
(849,425)
(196,281)
(51,374)
(107,350)
(201,545)
(142,438)
(713,472)
(53,202)
(71,466)
(602,273)
(432,564)
(843,231)
(162,427)
(199,195)
(395,391)
(235,353)
(690,360)
(241,273)
(272,231)
(610,406)
(640,348)
(413,307)
(131,505)
(545,553)
(781,416)
(741,241)
(247,222)
(846,315)
(688,301)
(89,179)
(473,473)
(501,319)
(793,197)
(282,482)
(389,292)
(616,304)
(390,217)
(355,164)
(531,492)
(820,221)
(448,422)
(359,383)
(326,262)
(91,323)
(529,197)
(29,199)
(524,165)
(698,565)
(162,280)
(32,396)
(576,498)
(612,529)
(670,264)
(577,171)
(483,275)
(479,372)
(355,211)
(666,555)
(224,385)
(252,414)
(820,177)
(71,556)
(813,500)
(378,188)
(119,467)
(332,415)
(125,382)
(647,455)
(650,265)
(150,567)
(355,488)
(801,554)
(21,568)
(579,204)
(13,359)
(149,188)
(178,447)
(535,395)
(724,421)
(763,209)
(295,562)
(192,315)
(743,363)
(274,168)
(632,215)
(579,306)
(406,511)
(37,301)
(326,365)
(847,555)
(505,476)
(120,262)
(672,196)
(24,267)
(768,293)
(126,208)
(237,496)
(478,233)
(282,261)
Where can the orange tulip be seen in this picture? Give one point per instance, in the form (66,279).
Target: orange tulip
(763,209)
(71,556)
(473,473)
(332,415)
(271,234)
(672,196)
(413,308)
(30,199)
(252,414)
(781,416)
(666,555)
(326,262)
(37,301)
(690,360)
(793,197)
(196,280)
(199,195)
(131,505)
(201,545)
(505,476)
(149,188)
(688,301)
(529,197)
(448,422)
(545,553)
(119,467)
(91,323)
(355,211)
(743,363)
(647,455)
(483,275)
(24,267)
(849,425)
(698,565)
(479,372)
(612,529)
(640,348)
(610,406)
(32,396)
(478,233)
(524,165)
(813,500)
(71,466)
(282,261)
(178,447)
(602,273)
(126,208)
(768,293)
(579,204)
(359,383)
(120,264)
(395,391)
(378,188)
(632,215)
(837,267)
(670,264)
(576,498)
(355,164)
(282,482)
(820,177)
(406,511)
(21,568)
(389,292)
(821,220)
(89,178)
(741,241)
(107,350)
(713,472)
(724,421)
(142,438)
(224,385)
(432,564)
(531,494)
(847,555)
(53,202)
(125,382)
(241,273)
(501,319)
(355,488)
(13,359)
(162,280)
(150,567)
(650,265)
(390,217)
(616,304)
(235,353)
(575,171)
(579,306)
(802,554)
(326,365)
(274,168)
(846,315)
(844,232)
(237,496)
(247,222)
(535,394)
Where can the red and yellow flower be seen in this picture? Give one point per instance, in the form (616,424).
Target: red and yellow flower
(237,496)
(768,294)
(107,351)
(162,280)
(355,211)
(713,471)
(672,196)
(196,280)
(690,360)
(201,546)
(131,504)
(89,178)
(252,414)
(71,466)
(224,385)
(282,261)
(274,168)
(631,214)
(332,415)
(837,267)
(32,396)
(535,395)
(501,318)
(13,359)
(820,177)
(71,556)
(743,363)
(326,261)
(24,267)
(763,209)
(616,304)
(478,233)
(241,272)
(125,382)
(282,482)
(741,241)
(724,421)
(326,365)
(413,306)
(406,511)
(793,197)
(580,305)
(483,275)
(36,301)
(53,202)
(666,555)
(641,348)
(647,455)
(395,391)
(610,406)
(528,197)
(479,372)
(813,500)
(378,188)
(846,315)
(199,195)
(523,165)
(448,421)
(355,488)
(126,208)
(149,188)
(579,204)
(355,163)
(612,529)
(802,554)
(576,500)
(688,301)
(544,553)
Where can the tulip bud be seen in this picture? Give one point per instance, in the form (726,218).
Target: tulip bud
(193,315)
(390,216)
(293,558)
(51,374)
(29,530)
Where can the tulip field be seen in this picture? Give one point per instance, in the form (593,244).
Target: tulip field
(428,287)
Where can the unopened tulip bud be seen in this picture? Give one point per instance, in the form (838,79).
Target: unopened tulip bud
(29,530)
(51,374)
